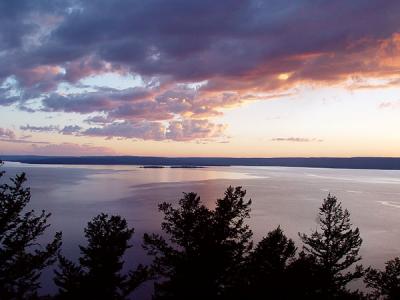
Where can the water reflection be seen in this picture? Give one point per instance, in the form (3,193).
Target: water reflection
(286,196)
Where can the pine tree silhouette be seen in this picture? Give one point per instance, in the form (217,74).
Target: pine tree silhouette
(22,258)
(385,284)
(267,267)
(98,275)
(335,248)
(203,250)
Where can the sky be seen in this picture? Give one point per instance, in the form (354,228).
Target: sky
(238,78)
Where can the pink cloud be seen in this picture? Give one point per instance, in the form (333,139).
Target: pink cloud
(6,133)
(71,149)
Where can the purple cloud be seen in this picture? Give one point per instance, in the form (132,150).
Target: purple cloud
(6,133)
(184,130)
(69,129)
(22,141)
(70,149)
(143,130)
(235,48)
(50,128)
(193,129)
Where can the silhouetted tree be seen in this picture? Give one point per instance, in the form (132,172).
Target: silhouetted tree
(266,269)
(385,284)
(98,276)
(303,278)
(334,249)
(204,249)
(22,258)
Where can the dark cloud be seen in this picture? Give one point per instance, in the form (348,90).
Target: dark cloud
(296,139)
(101,100)
(99,120)
(236,48)
(191,40)
(70,129)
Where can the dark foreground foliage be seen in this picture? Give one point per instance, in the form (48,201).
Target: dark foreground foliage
(203,253)
(334,249)
(98,275)
(385,284)
(204,250)
(22,259)
(209,254)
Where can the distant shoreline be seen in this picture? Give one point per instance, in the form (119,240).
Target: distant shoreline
(374,163)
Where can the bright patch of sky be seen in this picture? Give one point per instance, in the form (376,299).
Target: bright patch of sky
(113,80)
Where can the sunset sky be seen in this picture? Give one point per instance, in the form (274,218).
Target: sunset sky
(271,78)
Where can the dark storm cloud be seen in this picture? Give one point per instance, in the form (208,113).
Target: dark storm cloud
(236,47)
(192,40)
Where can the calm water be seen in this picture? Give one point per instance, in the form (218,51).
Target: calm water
(289,197)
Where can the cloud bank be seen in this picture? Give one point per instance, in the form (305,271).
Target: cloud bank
(193,58)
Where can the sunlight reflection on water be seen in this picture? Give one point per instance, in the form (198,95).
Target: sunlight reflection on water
(289,197)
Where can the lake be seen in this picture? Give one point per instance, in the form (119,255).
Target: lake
(289,197)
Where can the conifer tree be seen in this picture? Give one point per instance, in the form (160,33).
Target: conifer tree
(267,267)
(98,275)
(385,284)
(203,250)
(335,248)
(22,258)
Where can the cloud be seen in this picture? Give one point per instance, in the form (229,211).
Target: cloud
(71,149)
(176,130)
(97,120)
(104,99)
(251,51)
(8,136)
(183,130)
(193,129)
(50,128)
(69,129)
(6,133)
(390,104)
(296,139)
(22,141)
(144,130)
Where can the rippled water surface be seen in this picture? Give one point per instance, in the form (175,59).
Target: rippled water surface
(289,197)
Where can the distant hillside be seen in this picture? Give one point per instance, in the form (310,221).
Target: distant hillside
(384,163)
